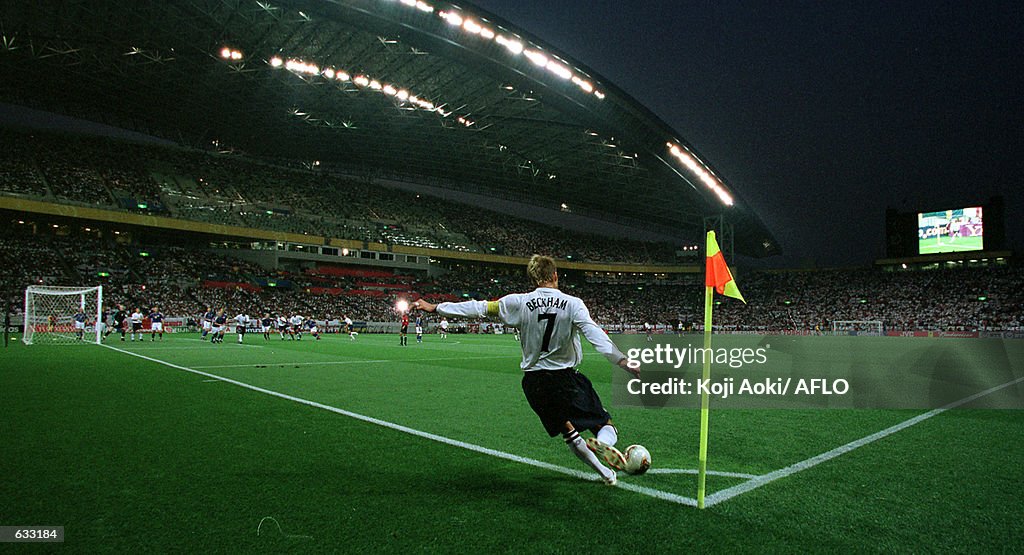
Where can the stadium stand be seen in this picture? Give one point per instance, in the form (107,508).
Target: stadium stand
(202,186)
(183,280)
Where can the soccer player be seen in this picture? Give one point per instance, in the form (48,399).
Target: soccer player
(444,328)
(156,323)
(649,329)
(79,319)
(349,330)
(296,326)
(136,319)
(119,320)
(402,340)
(419,329)
(282,326)
(312,328)
(564,399)
(207,321)
(265,325)
(220,321)
(51,323)
(241,321)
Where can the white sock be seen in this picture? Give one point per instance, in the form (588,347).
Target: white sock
(579,448)
(608,435)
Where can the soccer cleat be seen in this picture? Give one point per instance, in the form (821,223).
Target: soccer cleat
(610,480)
(610,455)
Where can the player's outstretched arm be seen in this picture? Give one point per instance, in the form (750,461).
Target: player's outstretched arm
(421,304)
(599,339)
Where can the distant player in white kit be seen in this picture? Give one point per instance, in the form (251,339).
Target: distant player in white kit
(136,319)
(349,329)
(551,322)
(443,326)
(241,321)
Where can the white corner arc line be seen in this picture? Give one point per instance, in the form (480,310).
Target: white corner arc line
(729,493)
(721,473)
(664,495)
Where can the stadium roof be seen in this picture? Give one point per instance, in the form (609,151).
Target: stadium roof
(436,93)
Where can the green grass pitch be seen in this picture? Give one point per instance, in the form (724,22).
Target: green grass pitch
(933,245)
(132,454)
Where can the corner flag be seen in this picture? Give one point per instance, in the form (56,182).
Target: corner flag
(717,277)
(717,274)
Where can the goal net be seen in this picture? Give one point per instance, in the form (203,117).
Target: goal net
(63,315)
(857,327)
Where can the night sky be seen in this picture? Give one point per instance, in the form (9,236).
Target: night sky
(821,114)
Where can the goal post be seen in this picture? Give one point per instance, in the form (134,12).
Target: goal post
(858,327)
(50,315)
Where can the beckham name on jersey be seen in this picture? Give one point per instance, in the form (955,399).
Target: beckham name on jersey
(547,302)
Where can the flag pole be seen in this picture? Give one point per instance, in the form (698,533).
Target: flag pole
(702,460)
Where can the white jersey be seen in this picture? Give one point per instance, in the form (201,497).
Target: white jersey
(550,323)
(295,321)
(444,325)
(136,317)
(242,320)
(348,322)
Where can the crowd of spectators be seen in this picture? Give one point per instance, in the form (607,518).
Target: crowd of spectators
(182,280)
(226,189)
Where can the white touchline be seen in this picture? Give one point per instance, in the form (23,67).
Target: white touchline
(333,362)
(664,495)
(729,493)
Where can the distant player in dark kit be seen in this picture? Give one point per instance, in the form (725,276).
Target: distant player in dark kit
(419,329)
(402,339)
(207,321)
(156,323)
(265,325)
(79,319)
(312,328)
(551,323)
(220,323)
(120,318)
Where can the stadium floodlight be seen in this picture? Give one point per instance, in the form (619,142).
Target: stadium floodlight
(471,26)
(375,84)
(225,53)
(329,73)
(486,33)
(361,80)
(513,46)
(424,7)
(538,58)
(559,70)
(410,3)
(390,90)
(402,94)
(276,61)
(599,95)
(585,85)
(451,17)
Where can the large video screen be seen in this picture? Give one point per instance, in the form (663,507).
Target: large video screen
(950,231)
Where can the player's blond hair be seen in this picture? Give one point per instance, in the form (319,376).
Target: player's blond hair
(541,269)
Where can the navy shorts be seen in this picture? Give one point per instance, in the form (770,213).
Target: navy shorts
(560,396)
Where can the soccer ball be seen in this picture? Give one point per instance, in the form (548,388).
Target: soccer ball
(638,459)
